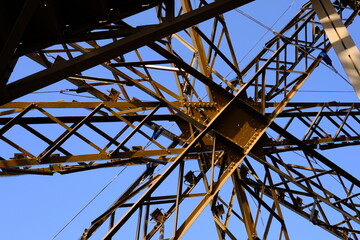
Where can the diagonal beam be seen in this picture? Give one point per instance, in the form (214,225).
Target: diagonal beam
(341,40)
(243,204)
(135,130)
(314,153)
(241,142)
(15,35)
(143,37)
(67,135)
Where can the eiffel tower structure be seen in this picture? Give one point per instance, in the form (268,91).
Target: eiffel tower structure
(155,89)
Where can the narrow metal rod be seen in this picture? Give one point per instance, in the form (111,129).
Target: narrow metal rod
(179,191)
(213,163)
(139,223)
(112,220)
(135,130)
(146,220)
(70,133)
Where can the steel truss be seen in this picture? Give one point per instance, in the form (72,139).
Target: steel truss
(245,130)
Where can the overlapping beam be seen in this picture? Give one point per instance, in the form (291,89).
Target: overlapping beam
(221,135)
(143,37)
(10,45)
(341,119)
(341,41)
(321,125)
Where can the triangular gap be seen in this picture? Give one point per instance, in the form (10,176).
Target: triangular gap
(215,50)
(136,179)
(276,204)
(70,132)
(260,203)
(147,134)
(17,136)
(183,182)
(160,89)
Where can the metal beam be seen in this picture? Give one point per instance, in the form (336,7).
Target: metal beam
(141,38)
(244,205)
(15,35)
(341,40)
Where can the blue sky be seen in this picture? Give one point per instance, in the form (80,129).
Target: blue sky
(38,207)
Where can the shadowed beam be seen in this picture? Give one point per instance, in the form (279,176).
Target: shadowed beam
(143,37)
(15,36)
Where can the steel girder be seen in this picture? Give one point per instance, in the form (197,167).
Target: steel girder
(234,134)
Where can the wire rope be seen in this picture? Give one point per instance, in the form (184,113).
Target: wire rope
(316,162)
(81,210)
(284,37)
(262,37)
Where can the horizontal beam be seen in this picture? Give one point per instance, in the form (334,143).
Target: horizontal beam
(315,154)
(92,119)
(134,155)
(118,105)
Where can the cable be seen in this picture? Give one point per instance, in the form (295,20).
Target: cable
(257,21)
(262,37)
(77,95)
(45,92)
(112,180)
(330,67)
(314,161)
(337,72)
(296,45)
(62,92)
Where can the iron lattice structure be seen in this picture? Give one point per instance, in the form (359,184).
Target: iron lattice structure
(163,102)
